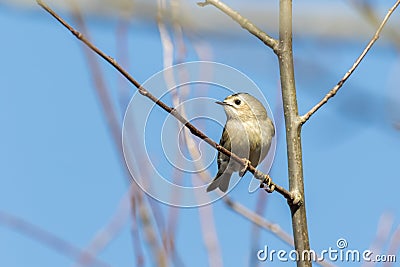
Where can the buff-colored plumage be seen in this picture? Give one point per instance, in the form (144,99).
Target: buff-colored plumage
(248,133)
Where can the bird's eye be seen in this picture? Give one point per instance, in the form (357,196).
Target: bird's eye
(238,102)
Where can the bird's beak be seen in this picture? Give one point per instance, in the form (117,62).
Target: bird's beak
(223,103)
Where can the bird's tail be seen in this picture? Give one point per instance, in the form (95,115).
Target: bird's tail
(221,181)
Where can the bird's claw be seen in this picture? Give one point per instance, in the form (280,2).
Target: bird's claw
(267,181)
(243,171)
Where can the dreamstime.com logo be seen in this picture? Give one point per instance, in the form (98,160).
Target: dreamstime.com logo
(338,254)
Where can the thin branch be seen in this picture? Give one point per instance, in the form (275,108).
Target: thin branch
(394,246)
(100,86)
(207,222)
(45,237)
(137,246)
(114,126)
(382,233)
(335,89)
(157,249)
(263,223)
(257,174)
(243,22)
(259,220)
(366,10)
(105,235)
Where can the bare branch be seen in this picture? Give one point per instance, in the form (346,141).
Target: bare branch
(243,22)
(367,10)
(257,174)
(43,236)
(207,222)
(114,126)
(105,235)
(259,220)
(137,246)
(263,223)
(158,251)
(394,245)
(100,86)
(382,233)
(335,89)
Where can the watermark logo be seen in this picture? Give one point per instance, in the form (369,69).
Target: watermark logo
(341,243)
(340,253)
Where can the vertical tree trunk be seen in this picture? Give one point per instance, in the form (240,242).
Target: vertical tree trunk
(293,131)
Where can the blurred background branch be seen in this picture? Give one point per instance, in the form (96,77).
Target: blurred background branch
(333,17)
(45,237)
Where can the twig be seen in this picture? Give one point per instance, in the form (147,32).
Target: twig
(259,220)
(243,22)
(263,223)
(207,222)
(100,86)
(46,238)
(135,232)
(394,245)
(382,233)
(114,127)
(366,10)
(151,235)
(255,235)
(335,89)
(107,233)
(257,174)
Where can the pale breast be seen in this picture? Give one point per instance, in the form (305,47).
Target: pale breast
(250,139)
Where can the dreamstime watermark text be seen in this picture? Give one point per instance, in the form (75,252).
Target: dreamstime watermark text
(340,253)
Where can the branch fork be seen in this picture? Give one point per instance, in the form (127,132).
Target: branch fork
(244,23)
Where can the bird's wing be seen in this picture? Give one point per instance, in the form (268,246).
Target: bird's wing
(272,126)
(226,143)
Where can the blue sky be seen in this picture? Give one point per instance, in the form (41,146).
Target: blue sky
(60,171)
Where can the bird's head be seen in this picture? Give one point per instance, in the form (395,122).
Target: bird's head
(243,106)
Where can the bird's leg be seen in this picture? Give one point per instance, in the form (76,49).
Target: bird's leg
(267,181)
(247,164)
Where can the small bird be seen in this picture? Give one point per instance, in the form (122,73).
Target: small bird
(247,133)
